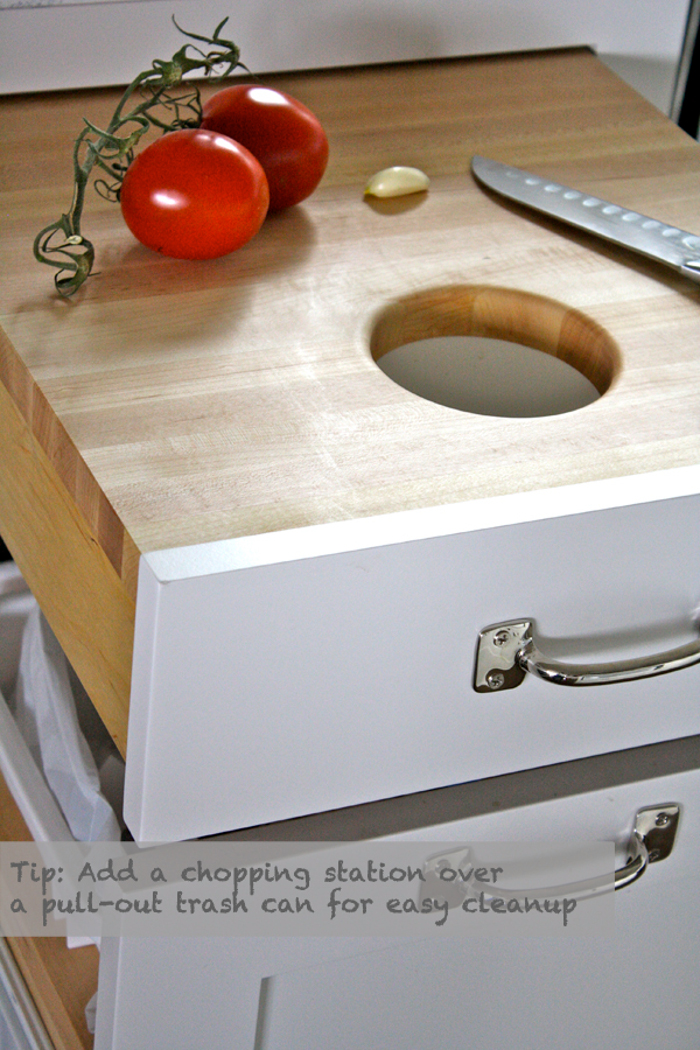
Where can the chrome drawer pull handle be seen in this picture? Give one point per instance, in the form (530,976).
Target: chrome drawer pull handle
(652,839)
(506,651)
(636,864)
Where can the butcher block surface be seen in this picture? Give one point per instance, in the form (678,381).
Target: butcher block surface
(173,403)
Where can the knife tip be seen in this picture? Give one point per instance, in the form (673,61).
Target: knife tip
(479,163)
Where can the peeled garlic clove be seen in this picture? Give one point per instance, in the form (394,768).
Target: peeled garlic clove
(396,182)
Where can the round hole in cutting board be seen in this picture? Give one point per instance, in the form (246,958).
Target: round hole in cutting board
(494,351)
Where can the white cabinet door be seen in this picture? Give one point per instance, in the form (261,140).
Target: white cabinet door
(634,990)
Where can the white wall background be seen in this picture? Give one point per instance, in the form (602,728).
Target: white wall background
(50,44)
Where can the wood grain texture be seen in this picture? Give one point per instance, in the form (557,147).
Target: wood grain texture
(61,981)
(185,402)
(70,575)
(500,313)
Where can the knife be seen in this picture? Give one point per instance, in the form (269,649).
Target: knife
(650,237)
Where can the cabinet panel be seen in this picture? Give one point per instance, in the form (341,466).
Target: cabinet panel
(576,996)
(645,48)
(636,988)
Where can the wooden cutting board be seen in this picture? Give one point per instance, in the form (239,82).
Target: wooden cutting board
(175,403)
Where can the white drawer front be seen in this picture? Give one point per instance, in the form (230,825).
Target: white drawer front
(272,690)
(636,990)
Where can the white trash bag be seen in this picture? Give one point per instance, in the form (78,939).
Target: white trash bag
(46,714)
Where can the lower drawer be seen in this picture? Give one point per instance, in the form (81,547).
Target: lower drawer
(635,989)
(299,672)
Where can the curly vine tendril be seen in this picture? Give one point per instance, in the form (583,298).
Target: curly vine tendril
(165,103)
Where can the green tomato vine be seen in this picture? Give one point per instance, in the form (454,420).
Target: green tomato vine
(156,98)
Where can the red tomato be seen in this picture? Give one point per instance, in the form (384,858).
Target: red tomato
(283,134)
(194,194)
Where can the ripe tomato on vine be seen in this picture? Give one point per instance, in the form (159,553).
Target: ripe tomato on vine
(194,194)
(203,189)
(285,136)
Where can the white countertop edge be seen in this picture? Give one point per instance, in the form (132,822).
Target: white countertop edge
(314,541)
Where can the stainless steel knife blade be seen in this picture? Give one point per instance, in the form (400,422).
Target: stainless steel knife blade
(615,223)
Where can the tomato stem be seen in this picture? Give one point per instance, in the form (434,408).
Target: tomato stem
(111,150)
